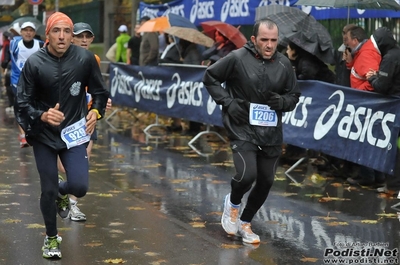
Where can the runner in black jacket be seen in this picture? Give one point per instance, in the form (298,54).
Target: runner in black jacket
(257,74)
(52,110)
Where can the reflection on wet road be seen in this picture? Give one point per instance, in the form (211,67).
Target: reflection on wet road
(305,216)
(304,219)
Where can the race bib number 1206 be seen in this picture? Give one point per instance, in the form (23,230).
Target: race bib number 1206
(262,115)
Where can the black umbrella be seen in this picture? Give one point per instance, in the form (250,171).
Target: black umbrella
(300,28)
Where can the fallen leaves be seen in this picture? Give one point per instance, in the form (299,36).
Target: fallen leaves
(369,221)
(176,181)
(387,215)
(12,221)
(136,208)
(287,194)
(35,226)
(104,195)
(115,261)
(198,224)
(314,195)
(337,223)
(230,246)
(151,254)
(307,259)
(328,199)
(93,244)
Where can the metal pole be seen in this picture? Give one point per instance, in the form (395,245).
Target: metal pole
(56,5)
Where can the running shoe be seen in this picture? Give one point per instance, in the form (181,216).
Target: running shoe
(229,218)
(248,236)
(75,213)
(62,202)
(51,247)
(22,141)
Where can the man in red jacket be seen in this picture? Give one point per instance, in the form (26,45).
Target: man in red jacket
(364,57)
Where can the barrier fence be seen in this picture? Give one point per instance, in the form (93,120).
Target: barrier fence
(349,124)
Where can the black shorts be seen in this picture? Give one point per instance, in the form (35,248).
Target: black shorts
(93,137)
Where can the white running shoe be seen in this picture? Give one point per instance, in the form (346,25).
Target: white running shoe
(247,234)
(75,213)
(230,216)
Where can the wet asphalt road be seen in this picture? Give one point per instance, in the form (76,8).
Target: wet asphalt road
(156,201)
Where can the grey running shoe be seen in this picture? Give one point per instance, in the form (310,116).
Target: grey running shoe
(51,247)
(62,202)
(229,218)
(247,234)
(75,213)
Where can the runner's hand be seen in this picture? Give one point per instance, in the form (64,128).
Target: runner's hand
(275,101)
(53,116)
(109,104)
(91,120)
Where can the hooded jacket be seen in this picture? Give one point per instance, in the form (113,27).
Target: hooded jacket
(47,80)
(387,81)
(309,67)
(249,77)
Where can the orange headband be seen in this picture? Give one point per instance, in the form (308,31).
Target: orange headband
(56,18)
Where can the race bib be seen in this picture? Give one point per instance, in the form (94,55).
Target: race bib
(262,115)
(75,134)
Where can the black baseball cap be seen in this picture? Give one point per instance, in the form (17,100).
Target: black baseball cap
(82,27)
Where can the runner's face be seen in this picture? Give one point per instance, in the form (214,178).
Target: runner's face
(83,39)
(28,33)
(266,41)
(60,38)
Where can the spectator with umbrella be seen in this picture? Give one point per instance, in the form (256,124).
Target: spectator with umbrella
(171,53)
(300,28)
(308,66)
(221,47)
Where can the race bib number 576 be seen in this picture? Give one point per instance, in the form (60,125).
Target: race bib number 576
(75,134)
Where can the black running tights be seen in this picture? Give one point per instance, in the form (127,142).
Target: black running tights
(252,166)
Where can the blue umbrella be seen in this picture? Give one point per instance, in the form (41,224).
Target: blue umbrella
(179,21)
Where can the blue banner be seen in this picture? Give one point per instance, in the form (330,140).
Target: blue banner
(354,125)
(174,91)
(242,12)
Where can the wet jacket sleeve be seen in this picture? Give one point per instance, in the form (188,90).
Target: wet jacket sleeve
(27,114)
(215,75)
(97,88)
(291,93)
(363,64)
(383,82)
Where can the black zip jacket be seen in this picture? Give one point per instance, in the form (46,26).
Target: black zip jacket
(387,81)
(250,77)
(47,80)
